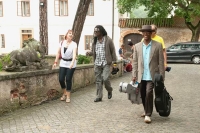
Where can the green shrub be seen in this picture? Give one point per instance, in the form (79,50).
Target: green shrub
(5,60)
(1,65)
(82,59)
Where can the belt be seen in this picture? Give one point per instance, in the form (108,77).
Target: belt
(67,59)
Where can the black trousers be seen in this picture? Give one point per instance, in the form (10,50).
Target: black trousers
(146,90)
(66,74)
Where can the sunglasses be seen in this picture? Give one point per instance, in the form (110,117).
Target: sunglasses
(96,30)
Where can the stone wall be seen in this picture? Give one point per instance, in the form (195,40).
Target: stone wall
(24,89)
(175,35)
(170,35)
(173,30)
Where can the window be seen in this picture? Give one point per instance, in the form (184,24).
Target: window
(23,8)
(186,46)
(2,41)
(196,46)
(26,34)
(1,9)
(91,9)
(88,42)
(61,38)
(175,47)
(61,7)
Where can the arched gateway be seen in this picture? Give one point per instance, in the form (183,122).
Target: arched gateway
(130,35)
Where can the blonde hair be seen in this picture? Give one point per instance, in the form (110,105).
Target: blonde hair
(122,45)
(155,27)
(65,37)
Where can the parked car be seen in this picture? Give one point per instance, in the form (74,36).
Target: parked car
(184,52)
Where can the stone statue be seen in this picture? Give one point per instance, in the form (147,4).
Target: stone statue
(30,57)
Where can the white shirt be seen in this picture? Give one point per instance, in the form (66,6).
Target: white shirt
(68,54)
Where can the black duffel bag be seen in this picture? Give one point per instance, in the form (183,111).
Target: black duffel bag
(162,97)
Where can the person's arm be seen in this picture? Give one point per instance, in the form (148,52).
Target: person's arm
(161,62)
(164,52)
(57,57)
(132,49)
(135,65)
(165,58)
(90,53)
(74,57)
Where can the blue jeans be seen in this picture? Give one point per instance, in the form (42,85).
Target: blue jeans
(66,73)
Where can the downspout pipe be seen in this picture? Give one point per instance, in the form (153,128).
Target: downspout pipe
(113,1)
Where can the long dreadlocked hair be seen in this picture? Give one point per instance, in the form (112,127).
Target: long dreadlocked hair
(102,30)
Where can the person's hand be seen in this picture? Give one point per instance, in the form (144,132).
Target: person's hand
(134,79)
(88,53)
(54,65)
(165,67)
(114,62)
(71,65)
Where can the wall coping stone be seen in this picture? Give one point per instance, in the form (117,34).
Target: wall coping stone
(13,75)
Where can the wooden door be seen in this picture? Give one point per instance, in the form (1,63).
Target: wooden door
(134,38)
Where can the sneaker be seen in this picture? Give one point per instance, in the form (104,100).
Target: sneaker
(147,119)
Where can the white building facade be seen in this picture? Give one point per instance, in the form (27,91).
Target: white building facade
(19,20)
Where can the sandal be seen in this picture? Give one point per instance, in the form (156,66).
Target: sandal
(63,97)
(67,100)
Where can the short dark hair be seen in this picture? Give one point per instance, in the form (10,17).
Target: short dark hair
(130,43)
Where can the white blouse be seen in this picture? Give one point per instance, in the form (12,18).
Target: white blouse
(68,54)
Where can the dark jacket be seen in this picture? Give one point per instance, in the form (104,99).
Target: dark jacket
(109,50)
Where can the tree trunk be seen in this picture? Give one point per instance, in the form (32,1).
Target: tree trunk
(43,24)
(195,35)
(195,30)
(80,19)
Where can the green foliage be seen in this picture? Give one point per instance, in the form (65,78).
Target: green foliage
(1,66)
(82,59)
(4,61)
(162,8)
(187,9)
(139,12)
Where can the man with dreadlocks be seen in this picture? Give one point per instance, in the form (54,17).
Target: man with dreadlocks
(103,51)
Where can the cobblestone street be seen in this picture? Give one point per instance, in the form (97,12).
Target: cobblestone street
(116,115)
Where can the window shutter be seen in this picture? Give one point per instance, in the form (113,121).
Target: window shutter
(56,8)
(1,8)
(27,8)
(2,41)
(19,8)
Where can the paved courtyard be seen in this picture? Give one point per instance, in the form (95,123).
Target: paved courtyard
(117,115)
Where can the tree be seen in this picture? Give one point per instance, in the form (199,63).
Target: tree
(188,9)
(43,24)
(80,19)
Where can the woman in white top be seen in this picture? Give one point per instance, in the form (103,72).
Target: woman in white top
(67,50)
